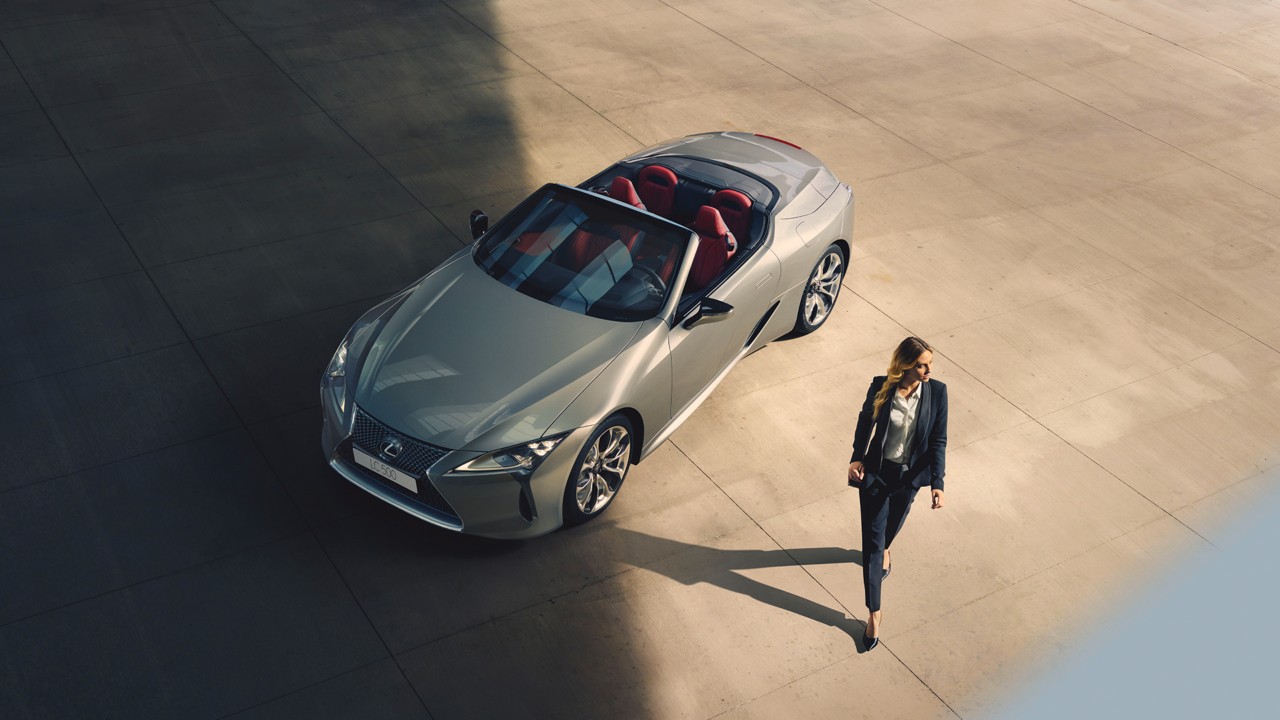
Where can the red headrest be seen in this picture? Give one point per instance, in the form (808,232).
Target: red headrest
(657,174)
(710,223)
(623,191)
(657,188)
(731,200)
(735,208)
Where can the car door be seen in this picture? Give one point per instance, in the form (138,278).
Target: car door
(700,353)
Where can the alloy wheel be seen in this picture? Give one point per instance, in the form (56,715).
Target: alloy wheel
(603,469)
(824,286)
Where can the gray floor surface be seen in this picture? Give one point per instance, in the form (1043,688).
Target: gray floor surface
(198,198)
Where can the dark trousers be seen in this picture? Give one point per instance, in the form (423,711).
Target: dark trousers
(884,502)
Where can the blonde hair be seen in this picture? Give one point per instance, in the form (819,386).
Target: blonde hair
(904,358)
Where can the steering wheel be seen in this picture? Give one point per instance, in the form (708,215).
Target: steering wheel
(657,286)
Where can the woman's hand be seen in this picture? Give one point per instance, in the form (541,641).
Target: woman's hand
(937,499)
(855,473)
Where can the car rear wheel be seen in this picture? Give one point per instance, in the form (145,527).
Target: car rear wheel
(598,474)
(821,291)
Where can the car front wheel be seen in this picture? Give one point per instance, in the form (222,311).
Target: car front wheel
(821,291)
(598,474)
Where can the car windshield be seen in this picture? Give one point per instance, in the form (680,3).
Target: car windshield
(585,254)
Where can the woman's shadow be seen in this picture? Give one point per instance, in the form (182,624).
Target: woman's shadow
(719,571)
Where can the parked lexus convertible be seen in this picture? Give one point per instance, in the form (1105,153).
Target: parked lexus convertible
(508,391)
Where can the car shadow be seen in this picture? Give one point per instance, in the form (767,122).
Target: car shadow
(722,568)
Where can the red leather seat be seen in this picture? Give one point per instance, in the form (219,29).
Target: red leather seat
(656,186)
(735,208)
(585,247)
(714,240)
(623,191)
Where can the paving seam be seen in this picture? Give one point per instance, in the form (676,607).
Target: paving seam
(962,326)
(305,688)
(161,576)
(232,129)
(168,196)
(550,599)
(96,56)
(383,53)
(1043,570)
(1179,45)
(277,241)
(95,363)
(709,402)
(831,495)
(125,458)
(1144,272)
(539,71)
(53,288)
(1262,471)
(1037,212)
(1206,310)
(372,299)
(88,16)
(1180,365)
(167,88)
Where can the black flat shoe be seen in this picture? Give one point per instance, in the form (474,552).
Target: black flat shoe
(886,571)
(871,642)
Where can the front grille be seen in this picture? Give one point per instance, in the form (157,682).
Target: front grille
(416,457)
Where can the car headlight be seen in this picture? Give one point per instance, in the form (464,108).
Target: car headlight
(334,380)
(335,376)
(338,365)
(520,458)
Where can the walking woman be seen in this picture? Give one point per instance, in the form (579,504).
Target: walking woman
(899,446)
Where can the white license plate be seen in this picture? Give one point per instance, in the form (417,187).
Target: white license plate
(402,479)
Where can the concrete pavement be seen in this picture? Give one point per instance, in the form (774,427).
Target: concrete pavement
(1075,201)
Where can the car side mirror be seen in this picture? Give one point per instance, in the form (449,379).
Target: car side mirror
(708,310)
(479,224)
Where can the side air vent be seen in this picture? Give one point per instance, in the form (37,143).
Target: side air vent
(760,325)
(526,504)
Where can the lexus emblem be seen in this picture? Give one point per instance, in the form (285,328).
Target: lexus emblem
(390,447)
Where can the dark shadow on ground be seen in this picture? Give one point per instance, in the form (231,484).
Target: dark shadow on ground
(196,200)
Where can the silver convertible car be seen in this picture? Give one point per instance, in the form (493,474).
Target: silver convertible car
(509,391)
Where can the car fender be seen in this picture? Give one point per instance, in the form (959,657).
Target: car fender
(800,241)
(638,380)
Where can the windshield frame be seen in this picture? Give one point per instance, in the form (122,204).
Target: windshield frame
(521,213)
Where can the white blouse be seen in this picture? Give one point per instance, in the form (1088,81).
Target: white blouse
(902,421)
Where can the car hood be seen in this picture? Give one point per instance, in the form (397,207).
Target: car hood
(468,363)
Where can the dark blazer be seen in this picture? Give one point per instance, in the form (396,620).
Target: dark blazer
(927,456)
